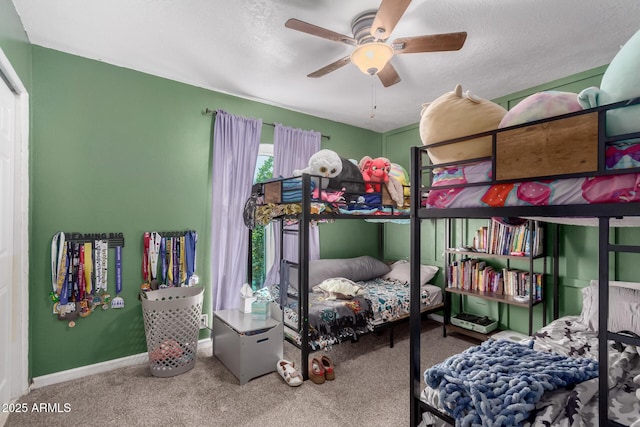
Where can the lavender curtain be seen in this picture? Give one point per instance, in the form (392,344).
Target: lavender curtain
(292,149)
(236,141)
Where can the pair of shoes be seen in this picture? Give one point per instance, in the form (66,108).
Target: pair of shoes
(316,371)
(288,372)
(329,372)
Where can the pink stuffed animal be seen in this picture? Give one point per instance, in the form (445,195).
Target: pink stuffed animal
(375,172)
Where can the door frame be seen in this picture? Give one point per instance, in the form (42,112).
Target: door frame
(19,355)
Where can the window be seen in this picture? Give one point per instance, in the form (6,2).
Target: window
(261,237)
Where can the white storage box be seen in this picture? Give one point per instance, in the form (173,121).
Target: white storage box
(248,347)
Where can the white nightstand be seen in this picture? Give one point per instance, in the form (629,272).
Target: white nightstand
(248,347)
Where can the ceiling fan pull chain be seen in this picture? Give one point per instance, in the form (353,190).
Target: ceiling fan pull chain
(373,97)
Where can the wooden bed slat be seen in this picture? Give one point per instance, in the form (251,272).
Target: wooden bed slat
(564,146)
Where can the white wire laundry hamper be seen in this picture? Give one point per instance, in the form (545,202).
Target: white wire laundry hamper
(172,325)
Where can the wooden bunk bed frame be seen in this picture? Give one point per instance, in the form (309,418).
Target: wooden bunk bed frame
(304,218)
(604,212)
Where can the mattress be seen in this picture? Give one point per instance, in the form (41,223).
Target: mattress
(578,405)
(568,191)
(335,321)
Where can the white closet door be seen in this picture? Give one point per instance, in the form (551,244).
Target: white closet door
(7,202)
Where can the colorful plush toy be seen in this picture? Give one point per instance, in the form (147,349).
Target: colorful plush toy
(540,106)
(621,81)
(348,180)
(375,172)
(377,177)
(454,115)
(324,163)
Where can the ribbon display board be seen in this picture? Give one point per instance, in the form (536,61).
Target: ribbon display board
(79,271)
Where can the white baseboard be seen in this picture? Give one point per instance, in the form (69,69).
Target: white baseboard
(98,368)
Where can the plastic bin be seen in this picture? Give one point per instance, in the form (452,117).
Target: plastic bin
(172,326)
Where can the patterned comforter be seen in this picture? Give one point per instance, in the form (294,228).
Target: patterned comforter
(577,405)
(568,191)
(334,321)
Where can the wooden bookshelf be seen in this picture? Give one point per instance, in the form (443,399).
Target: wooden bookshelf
(504,299)
(466,269)
(477,254)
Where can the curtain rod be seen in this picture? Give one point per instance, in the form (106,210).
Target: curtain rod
(212,112)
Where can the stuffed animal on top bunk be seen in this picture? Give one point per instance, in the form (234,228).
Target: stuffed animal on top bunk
(338,174)
(349,180)
(541,105)
(377,177)
(375,173)
(620,82)
(454,115)
(324,163)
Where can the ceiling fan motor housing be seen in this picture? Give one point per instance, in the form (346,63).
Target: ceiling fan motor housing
(361,27)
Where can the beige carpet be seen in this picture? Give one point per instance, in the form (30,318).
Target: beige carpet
(371,388)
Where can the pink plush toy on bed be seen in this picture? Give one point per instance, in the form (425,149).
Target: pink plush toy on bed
(375,172)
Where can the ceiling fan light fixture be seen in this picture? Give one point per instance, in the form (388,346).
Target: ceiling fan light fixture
(370,58)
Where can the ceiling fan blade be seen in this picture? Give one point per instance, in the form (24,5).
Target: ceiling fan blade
(430,43)
(388,75)
(388,15)
(331,67)
(314,30)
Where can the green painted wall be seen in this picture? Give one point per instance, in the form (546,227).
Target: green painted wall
(115,150)
(578,245)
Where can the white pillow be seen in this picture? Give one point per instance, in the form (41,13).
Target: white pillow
(339,288)
(624,306)
(401,271)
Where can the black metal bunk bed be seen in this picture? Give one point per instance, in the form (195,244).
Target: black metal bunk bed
(303,217)
(421,182)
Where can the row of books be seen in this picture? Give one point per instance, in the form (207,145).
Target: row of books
(501,239)
(471,274)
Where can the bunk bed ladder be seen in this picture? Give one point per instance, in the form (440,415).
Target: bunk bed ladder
(604,335)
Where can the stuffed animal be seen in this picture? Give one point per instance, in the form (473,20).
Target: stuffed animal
(378,179)
(348,180)
(454,115)
(324,163)
(540,106)
(375,172)
(621,81)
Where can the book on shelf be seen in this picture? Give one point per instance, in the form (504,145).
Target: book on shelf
(476,275)
(498,238)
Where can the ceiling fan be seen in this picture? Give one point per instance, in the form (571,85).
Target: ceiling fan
(370,31)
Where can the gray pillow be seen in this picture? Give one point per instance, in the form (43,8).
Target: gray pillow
(359,268)
(624,308)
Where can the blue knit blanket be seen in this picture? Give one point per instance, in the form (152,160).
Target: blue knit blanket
(499,382)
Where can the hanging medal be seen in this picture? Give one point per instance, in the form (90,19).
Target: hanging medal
(118,301)
(169,255)
(183,262)
(154,251)
(101,268)
(190,255)
(163,256)
(175,250)
(146,241)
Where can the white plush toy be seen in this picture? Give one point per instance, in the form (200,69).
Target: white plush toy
(325,163)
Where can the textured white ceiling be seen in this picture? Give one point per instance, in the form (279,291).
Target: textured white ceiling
(242,47)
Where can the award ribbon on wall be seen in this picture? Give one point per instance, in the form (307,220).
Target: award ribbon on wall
(118,301)
(154,250)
